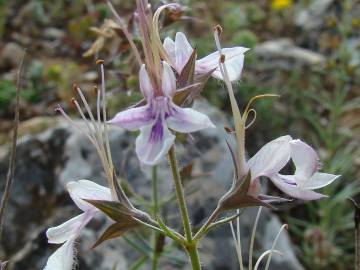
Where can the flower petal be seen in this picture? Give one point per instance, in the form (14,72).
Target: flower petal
(133,118)
(271,158)
(168,80)
(62,258)
(234,61)
(305,159)
(85,189)
(153,143)
(183,51)
(295,191)
(169,46)
(145,84)
(188,120)
(69,229)
(319,180)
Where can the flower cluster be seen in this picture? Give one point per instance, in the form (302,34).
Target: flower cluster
(168,69)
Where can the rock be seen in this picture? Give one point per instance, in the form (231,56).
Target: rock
(46,162)
(313,17)
(284,49)
(11,55)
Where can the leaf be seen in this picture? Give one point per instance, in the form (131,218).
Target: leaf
(238,196)
(186,76)
(182,93)
(199,83)
(116,230)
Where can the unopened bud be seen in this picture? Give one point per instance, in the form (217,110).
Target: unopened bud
(96,89)
(218,29)
(99,62)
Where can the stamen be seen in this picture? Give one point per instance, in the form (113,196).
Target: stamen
(106,134)
(252,121)
(285,226)
(255,98)
(59,109)
(82,115)
(88,110)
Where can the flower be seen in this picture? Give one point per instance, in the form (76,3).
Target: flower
(280,4)
(180,50)
(273,156)
(66,233)
(158,116)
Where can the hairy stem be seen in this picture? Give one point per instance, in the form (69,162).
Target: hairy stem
(190,245)
(11,171)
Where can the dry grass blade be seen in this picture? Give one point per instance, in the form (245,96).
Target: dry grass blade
(11,170)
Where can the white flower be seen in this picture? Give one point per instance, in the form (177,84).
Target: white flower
(180,50)
(66,233)
(158,116)
(273,156)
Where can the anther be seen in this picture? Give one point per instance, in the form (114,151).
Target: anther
(218,29)
(74,88)
(99,62)
(222,58)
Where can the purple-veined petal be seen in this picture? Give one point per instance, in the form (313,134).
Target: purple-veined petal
(294,190)
(62,258)
(145,84)
(85,189)
(169,46)
(188,120)
(69,229)
(319,180)
(271,158)
(305,159)
(133,118)
(183,51)
(153,143)
(234,61)
(168,81)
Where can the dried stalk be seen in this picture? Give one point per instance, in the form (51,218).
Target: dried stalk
(11,170)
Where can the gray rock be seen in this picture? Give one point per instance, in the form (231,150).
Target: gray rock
(284,49)
(11,55)
(313,17)
(46,162)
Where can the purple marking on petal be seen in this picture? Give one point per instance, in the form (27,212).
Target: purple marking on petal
(290,182)
(157,131)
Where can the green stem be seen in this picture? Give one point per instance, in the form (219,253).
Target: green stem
(191,244)
(180,195)
(156,252)
(194,256)
(154,191)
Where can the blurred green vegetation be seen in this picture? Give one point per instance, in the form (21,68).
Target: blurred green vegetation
(319,103)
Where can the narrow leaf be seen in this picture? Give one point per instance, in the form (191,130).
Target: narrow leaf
(116,230)
(115,210)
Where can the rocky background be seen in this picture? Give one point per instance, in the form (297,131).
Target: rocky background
(306,50)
